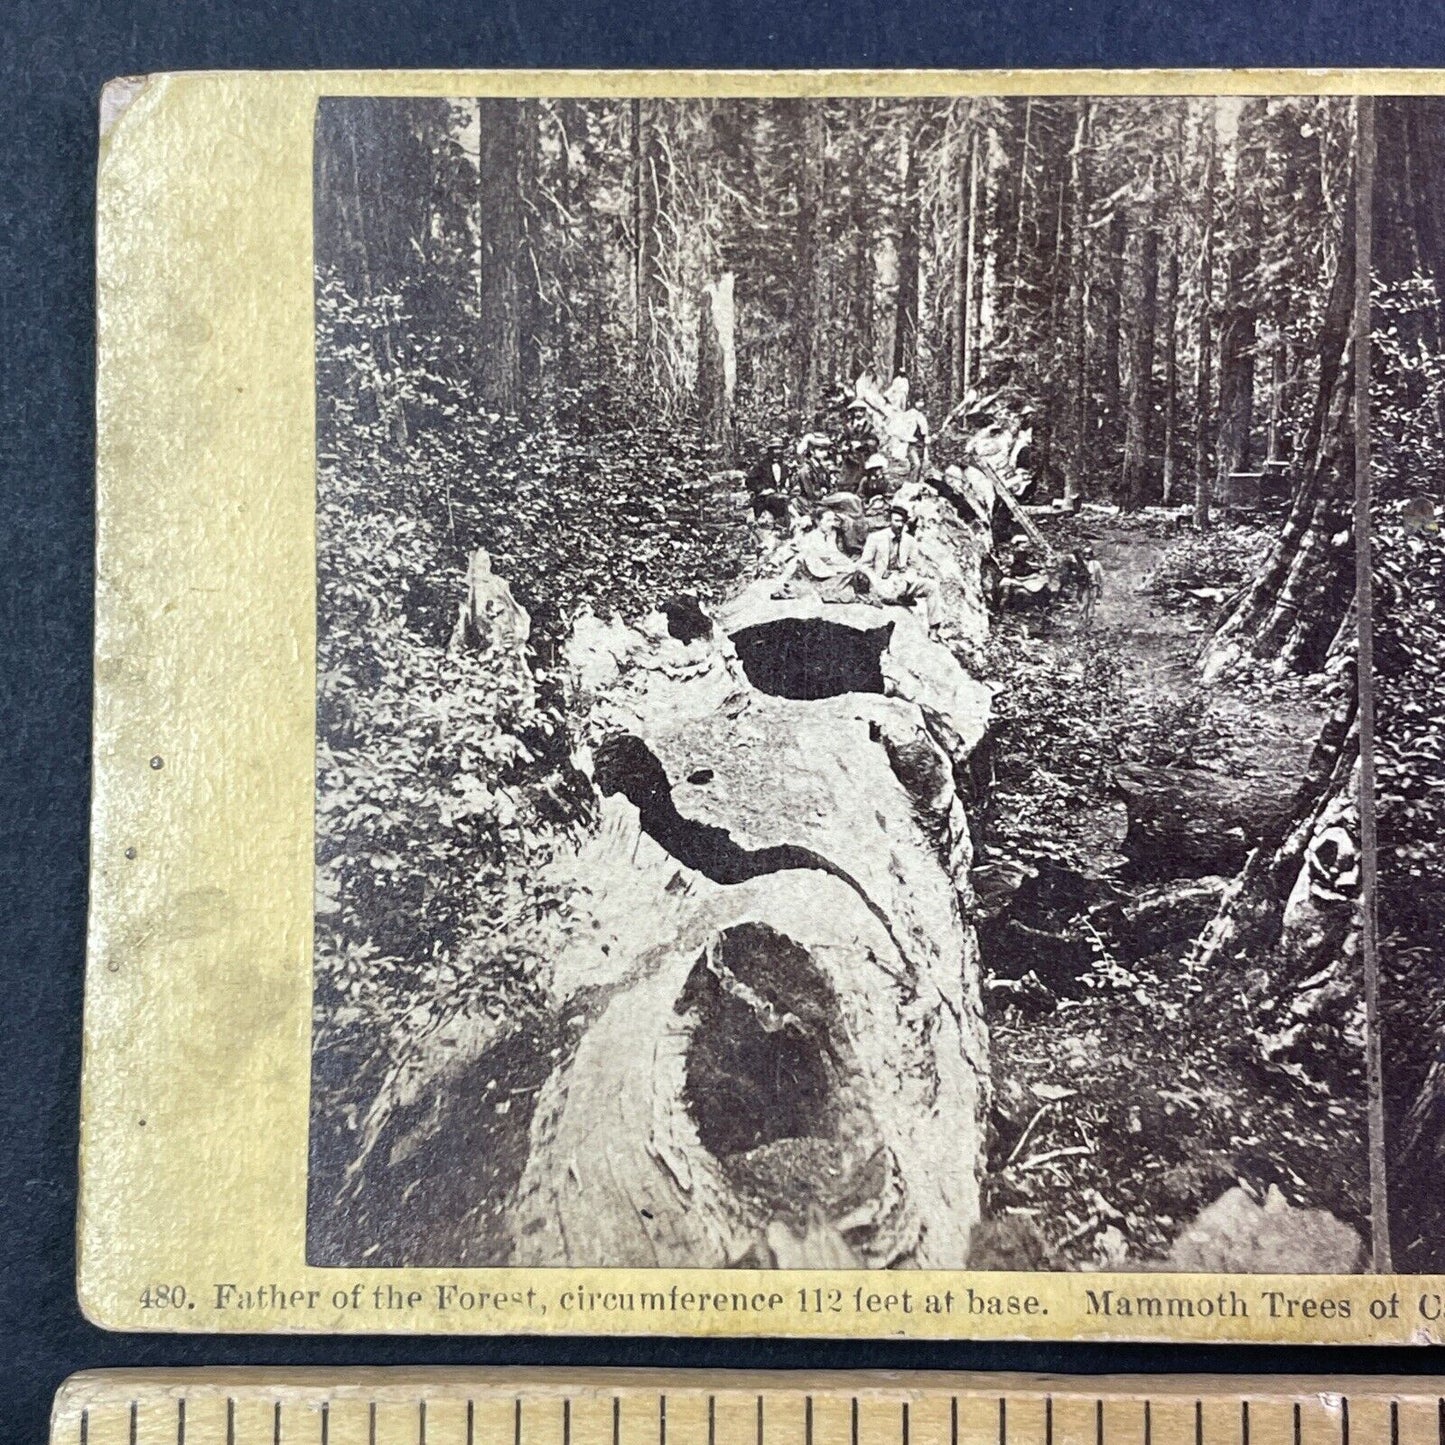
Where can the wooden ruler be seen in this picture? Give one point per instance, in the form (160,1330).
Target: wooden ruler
(679,1407)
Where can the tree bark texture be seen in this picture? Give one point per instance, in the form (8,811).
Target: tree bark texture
(500,360)
(1138,434)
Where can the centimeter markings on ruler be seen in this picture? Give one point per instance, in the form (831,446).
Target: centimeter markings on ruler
(545,1407)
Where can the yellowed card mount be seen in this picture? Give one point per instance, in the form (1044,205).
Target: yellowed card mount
(557,863)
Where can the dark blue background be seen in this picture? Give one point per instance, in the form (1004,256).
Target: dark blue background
(55,56)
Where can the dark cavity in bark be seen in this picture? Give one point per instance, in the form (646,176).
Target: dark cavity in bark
(771,1083)
(807,658)
(758,1066)
(625,764)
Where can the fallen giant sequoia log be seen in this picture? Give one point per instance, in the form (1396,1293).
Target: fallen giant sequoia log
(782,1059)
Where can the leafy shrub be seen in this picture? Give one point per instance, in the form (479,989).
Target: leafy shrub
(443,781)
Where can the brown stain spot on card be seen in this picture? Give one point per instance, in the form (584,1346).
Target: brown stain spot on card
(194,913)
(119,671)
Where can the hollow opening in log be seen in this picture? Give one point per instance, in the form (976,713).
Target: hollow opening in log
(806,658)
(757,1072)
(772,1085)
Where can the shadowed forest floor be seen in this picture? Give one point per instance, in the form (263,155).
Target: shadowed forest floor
(1123,1110)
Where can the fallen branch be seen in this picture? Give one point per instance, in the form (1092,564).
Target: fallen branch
(1012,506)
(1039,1160)
(1028,1129)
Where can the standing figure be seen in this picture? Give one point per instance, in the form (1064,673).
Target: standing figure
(905,438)
(1093,585)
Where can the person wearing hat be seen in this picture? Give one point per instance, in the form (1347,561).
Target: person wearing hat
(858,424)
(814,469)
(875,482)
(770,472)
(768,482)
(890,567)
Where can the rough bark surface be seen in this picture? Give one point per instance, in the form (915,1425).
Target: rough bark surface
(805,276)
(717,366)
(500,363)
(1239,325)
(781,1035)
(1291,612)
(1075,422)
(1140,412)
(905,331)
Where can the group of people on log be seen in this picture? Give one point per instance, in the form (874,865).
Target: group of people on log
(846,496)
(875,441)
(845,500)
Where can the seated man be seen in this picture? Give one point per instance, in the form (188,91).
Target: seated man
(816,553)
(768,482)
(889,571)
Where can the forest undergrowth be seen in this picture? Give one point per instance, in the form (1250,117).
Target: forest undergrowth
(1409,612)
(444,777)
(1130,1090)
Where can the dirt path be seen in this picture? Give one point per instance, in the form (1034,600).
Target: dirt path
(1261,730)
(1126,1097)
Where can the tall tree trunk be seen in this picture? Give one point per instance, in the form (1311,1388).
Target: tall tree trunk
(1075,341)
(1409,241)
(529,288)
(1112,327)
(635,174)
(572,119)
(805,307)
(1239,326)
(1020,212)
(905,330)
(1169,313)
(1297,910)
(380,343)
(1203,390)
(1293,608)
(1169,310)
(1051,427)
(1144,294)
(861,277)
(979,261)
(963,266)
(500,360)
(1276,388)
(717,364)
(654,186)
(1363,240)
